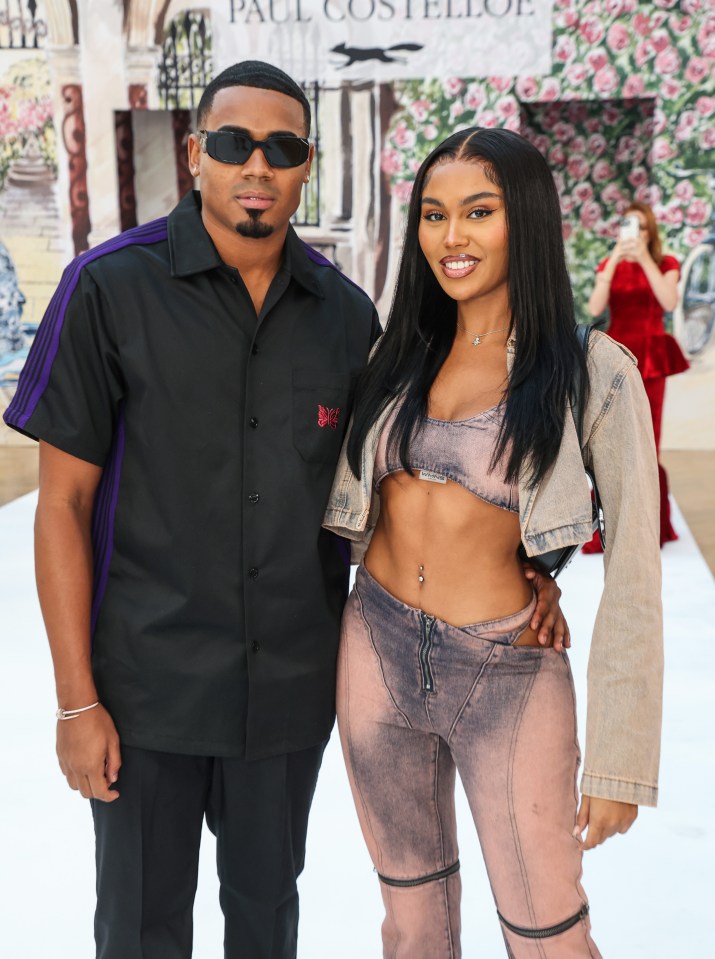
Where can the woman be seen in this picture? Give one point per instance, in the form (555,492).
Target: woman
(461,447)
(637,283)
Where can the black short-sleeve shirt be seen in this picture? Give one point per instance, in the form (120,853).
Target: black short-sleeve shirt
(217,594)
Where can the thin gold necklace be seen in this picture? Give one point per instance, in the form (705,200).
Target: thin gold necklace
(479,336)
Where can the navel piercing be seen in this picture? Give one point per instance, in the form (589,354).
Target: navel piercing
(420,578)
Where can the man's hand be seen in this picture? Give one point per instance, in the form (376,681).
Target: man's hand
(88,751)
(548,621)
(603,818)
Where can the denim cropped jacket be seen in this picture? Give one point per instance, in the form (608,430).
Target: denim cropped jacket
(625,670)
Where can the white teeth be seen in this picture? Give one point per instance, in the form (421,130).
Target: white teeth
(459,264)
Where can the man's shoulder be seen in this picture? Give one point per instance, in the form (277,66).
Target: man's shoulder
(119,252)
(333,279)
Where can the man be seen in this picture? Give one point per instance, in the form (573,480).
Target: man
(190,387)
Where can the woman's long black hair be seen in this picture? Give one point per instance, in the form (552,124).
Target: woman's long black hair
(549,364)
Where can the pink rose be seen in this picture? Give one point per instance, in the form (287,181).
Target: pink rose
(670,88)
(566,19)
(402,191)
(583,192)
(559,182)
(673,214)
(649,194)
(596,144)
(610,115)
(684,191)
(680,25)
(430,132)
(643,53)
(614,7)
(577,166)
(633,87)
(695,237)
(706,37)
(557,155)
(606,80)
(507,106)
(390,161)
(705,106)
(575,73)
(668,62)
(527,88)
(402,136)
(591,29)
(641,24)
(578,145)
(698,212)
(577,112)
(564,132)
(475,97)
(662,150)
(638,176)
(665,4)
(707,138)
(593,125)
(413,164)
(453,86)
(541,143)
(500,84)
(590,215)
(602,171)
(513,124)
(618,37)
(611,194)
(456,109)
(692,6)
(420,109)
(564,48)
(659,40)
(488,119)
(660,121)
(566,231)
(550,89)
(567,204)
(597,59)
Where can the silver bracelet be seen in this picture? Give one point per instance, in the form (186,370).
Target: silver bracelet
(73,713)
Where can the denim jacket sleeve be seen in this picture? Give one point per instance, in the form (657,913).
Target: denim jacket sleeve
(625,671)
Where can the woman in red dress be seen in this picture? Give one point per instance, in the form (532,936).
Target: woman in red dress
(637,283)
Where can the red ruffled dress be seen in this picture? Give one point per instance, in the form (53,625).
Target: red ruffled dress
(637,322)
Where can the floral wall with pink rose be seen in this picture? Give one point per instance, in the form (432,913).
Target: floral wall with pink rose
(628,112)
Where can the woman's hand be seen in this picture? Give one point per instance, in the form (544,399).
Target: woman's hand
(603,818)
(635,249)
(548,621)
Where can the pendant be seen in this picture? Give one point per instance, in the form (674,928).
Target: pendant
(476,341)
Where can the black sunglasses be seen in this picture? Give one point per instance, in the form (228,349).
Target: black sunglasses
(280,150)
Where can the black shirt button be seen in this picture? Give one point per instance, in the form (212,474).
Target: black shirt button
(253,572)
(253,423)
(253,497)
(254,348)
(255,646)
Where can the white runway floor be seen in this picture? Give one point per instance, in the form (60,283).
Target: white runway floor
(652,892)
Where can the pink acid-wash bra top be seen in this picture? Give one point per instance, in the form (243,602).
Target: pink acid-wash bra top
(457,450)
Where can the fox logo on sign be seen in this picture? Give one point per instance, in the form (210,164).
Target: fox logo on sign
(328,417)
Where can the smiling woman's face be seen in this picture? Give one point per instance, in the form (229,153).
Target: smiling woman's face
(463,232)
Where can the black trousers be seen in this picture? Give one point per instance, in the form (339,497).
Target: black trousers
(148,852)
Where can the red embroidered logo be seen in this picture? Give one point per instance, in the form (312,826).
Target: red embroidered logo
(328,417)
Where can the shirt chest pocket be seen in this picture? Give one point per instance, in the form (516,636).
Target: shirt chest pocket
(320,413)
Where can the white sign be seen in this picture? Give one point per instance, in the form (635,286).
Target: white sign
(383,40)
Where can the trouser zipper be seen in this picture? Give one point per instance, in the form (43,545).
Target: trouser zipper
(427,625)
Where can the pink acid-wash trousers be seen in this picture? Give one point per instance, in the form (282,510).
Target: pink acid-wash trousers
(418,700)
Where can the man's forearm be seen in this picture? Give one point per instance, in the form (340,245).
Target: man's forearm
(63,566)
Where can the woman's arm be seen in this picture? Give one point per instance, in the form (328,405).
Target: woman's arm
(625,671)
(663,285)
(598,301)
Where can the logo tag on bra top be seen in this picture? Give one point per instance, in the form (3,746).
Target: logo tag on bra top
(432,477)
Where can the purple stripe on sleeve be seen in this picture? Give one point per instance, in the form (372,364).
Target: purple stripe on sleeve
(104,516)
(36,375)
(321,260)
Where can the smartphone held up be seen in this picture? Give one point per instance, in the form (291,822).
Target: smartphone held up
(629,228)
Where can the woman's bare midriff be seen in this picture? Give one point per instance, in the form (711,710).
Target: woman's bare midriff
(441,549)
